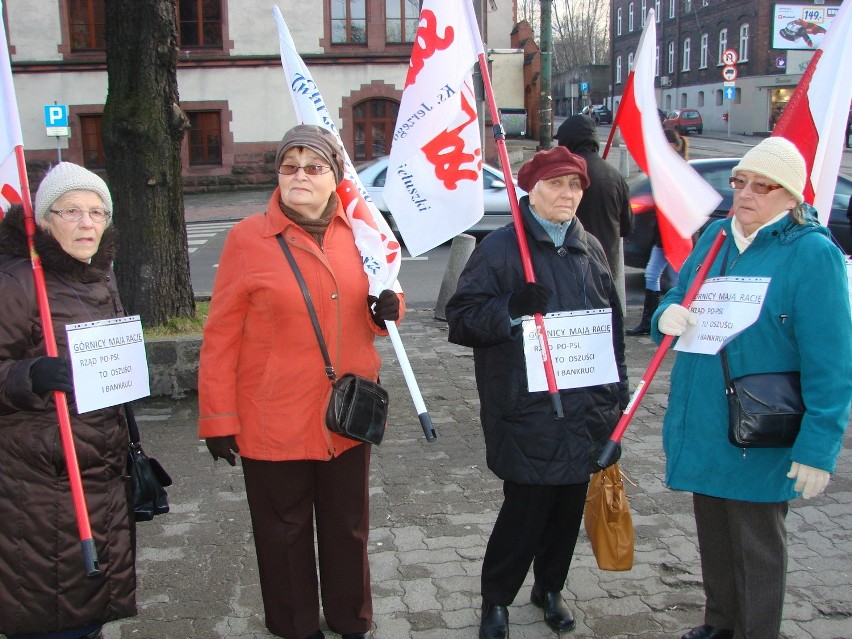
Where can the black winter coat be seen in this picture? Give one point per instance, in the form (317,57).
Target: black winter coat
(524,442)
(43,586)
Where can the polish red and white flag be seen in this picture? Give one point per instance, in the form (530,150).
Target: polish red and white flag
(10,129)
(815,118)
(683,199)
(434,178)
(380,251)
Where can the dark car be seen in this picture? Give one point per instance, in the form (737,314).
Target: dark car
(600,113)
(684,121)
(716,171)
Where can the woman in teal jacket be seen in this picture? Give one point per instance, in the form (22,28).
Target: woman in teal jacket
(740,495)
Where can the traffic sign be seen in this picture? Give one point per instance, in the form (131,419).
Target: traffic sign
(584,87)
(730,57)
(56,120)
(730,93)
(729,74)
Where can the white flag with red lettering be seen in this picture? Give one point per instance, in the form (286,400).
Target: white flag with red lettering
(815,118)
(10,128)
(434,179)
(380,251)
(683,199)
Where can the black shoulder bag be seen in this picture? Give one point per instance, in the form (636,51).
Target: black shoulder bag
(147,477)
(358,407)
(764,409)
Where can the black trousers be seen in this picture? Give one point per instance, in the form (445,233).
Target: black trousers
(743,548)
(537,525)
(284,498)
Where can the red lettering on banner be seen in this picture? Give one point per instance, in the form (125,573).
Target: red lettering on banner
(446,152)
(426,42)
(12,196)
(352,201)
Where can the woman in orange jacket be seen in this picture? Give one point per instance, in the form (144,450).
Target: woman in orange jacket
(263,390)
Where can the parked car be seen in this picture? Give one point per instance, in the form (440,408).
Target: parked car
(716,171)
(684,121)
(600,113)
(496,196)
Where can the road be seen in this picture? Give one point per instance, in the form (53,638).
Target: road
(421,276)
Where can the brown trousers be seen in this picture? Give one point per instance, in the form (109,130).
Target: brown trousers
(284,498)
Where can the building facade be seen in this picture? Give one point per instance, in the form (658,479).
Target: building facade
(230,79)
(772,43)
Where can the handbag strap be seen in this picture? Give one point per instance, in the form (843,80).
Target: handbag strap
(132,428)
(329,369)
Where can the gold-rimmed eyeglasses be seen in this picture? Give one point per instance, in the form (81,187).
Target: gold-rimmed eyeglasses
(758,188)
(309,169)
(73,214)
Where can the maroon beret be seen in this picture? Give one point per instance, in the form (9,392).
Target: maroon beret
(550,164)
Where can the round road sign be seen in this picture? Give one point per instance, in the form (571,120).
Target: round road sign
(729,57)
(729,74)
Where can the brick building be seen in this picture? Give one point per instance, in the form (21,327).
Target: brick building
(772,41)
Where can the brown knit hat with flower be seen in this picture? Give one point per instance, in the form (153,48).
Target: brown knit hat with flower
(318,140)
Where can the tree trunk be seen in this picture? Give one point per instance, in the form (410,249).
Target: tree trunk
(143,126)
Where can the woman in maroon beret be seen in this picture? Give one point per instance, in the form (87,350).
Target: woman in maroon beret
(544,462)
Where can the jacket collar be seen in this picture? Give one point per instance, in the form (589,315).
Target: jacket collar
(575,237)
(277,222)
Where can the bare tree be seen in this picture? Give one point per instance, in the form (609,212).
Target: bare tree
(143,126)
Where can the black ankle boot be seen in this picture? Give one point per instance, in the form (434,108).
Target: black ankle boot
(652,301)
(495,622)
(556,613)
(708,632)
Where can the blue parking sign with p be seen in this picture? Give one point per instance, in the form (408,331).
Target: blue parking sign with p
(56,115)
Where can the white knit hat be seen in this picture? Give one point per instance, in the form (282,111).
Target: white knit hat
(780,161)
(65,177)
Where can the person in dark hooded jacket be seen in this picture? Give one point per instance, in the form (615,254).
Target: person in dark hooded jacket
(605,209)
(45,592)
(544,462)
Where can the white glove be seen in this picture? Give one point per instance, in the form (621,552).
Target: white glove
(809,481)
(675,320)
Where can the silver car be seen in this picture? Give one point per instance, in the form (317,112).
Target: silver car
(496,195)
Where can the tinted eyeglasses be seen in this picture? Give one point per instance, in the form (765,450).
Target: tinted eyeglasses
(309,169)
(758,188)
(75,215)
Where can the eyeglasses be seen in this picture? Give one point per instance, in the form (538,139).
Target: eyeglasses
(309,169)
(75,215)
(758,188)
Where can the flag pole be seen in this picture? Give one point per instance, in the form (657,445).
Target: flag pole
(616,121)
(87,543)
(526,261)
(607,456)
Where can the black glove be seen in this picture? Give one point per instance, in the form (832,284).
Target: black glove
(386,307)
(529,300)
(223,447)
(50,374)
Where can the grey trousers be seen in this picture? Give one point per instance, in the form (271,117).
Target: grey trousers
(743,547)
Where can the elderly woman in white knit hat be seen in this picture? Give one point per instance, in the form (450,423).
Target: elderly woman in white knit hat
(44,590)
(740,493)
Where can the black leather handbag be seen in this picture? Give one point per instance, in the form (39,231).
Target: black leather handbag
(764,410)
(357,407)
(148,478)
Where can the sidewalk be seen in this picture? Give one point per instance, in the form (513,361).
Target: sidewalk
(432,509)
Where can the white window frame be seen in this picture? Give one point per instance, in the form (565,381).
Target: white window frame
(672,4)
(618,22)
(630,18)
(657,63)
(687,50)
(723,44)
(618,70)
(702,56)
(644,13)
(630,62)
(744,37)
(671,55)
(657,10)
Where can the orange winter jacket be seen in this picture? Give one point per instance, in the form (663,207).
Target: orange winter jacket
(262,375)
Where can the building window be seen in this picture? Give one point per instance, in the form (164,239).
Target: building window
(630,17)
(401,19)
(657,9)
(718,97)
(205,138)
(657,62)
(671,63)
(723,44)
(86,19)
(644,12)
(687,6)
(672,8)
(618,70)
(618,22)
(687,50)
(373,123)
(630,62)
(700,102)
(90,139)
(703,53)
(348,21)
(200,23)
(744,43)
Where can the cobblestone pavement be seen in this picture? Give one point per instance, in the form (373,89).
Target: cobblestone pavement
(432,509)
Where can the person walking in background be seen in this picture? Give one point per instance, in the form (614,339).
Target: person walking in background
(263,390)
(544,462)
(605,208)
(741,495)
(657,262)
(44,590)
